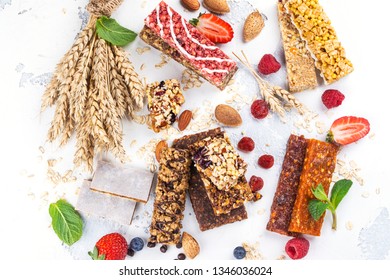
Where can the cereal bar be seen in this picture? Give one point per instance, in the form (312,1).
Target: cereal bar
(169,204)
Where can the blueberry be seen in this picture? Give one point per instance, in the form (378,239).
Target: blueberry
(239,252)
(137,244)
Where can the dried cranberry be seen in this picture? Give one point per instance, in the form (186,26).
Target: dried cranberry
(259,109)
(246,144)
(297,248)
(256,183)
(266,161)
(159,93)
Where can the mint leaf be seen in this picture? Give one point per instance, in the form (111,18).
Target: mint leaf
(110,30)
(319,193)
(339,190)
(66,221)
(317,208)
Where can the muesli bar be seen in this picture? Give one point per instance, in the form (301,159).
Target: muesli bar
(169,204)
(316,29)
(167,31)
(286,191)
(318,168)
(301,71)
(164,102)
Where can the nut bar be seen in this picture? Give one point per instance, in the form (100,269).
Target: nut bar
(316,29)
(301,71)
(318,168)
(205,215)
(286,191)
(169,32)
(169,204)
(164,101)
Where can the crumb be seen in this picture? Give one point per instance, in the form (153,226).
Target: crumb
(365,194)
(349,225)
(252,252)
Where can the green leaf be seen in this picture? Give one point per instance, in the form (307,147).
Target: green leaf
(110,30)
(339,190)
(319,193)
(317,208)
(66,221)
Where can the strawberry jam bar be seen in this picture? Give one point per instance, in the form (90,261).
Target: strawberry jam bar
(169,32)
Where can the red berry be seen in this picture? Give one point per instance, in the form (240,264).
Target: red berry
(332,98)
(266,161)
(256,183)
(268,65)
(111,246)
(246,144)
(259,109)
(297,248)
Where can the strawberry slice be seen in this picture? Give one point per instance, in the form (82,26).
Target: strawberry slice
(347,130)
(214,28)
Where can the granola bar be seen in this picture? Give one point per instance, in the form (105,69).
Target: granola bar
(316,29)
(318,168)
(164,102)
(301,71)
(167,31)
(169,204)
(286,191)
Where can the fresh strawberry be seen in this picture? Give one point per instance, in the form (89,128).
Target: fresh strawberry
(214,28)
(111,246)
(346,130)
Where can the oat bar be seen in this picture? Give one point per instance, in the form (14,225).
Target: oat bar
(286,191)
(164,102)
(167,31)
(316,29)
(301,71)
(169,204)
(318,168)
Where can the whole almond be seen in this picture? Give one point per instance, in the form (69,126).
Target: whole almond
(216,6)
(227,115)
(254,23)
(159,147)
(192,5)
(190,245)
(184,119)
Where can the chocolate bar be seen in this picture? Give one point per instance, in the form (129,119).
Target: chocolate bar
(318,168)
(167,31)
(286,191)
(164,101)
(301,71)
(169,204)
(315,28)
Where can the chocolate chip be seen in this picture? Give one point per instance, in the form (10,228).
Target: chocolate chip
(151,244)
(179,245)
(163,248)
(181,256)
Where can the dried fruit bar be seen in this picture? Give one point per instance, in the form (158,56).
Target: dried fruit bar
(172,183)
(164,102)
(169,32)
(316,29)
(286,191)
(318,168)
(301,71)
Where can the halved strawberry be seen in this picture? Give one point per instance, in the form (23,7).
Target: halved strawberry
(213,27)
(347,130)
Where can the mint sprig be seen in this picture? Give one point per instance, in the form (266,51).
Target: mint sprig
(111,31)
(318,206)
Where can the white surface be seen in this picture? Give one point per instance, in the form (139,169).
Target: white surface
(36,34)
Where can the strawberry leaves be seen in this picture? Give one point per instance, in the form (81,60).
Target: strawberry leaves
(318,206)
(94,254)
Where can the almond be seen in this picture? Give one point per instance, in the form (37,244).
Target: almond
(254,23)
(190,245)
(184,119)
(192,5)
(159,147)
(216,6)
(227,115)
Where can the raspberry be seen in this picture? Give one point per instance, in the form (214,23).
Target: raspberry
(332,98)
(268,65)
(297,248)
(256,183)
(246,144)
(266,161)
(259,109)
